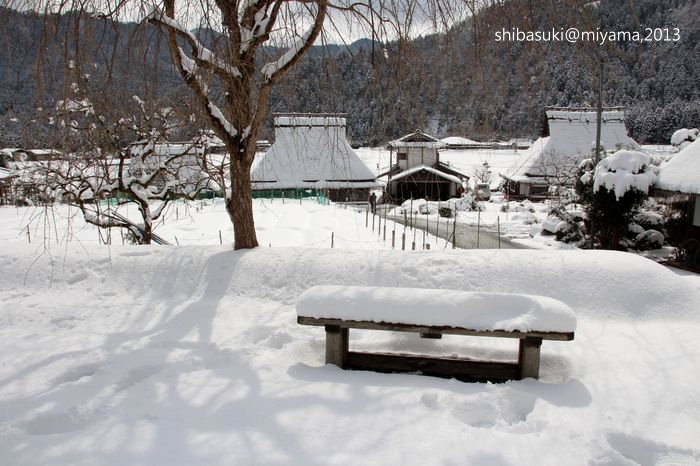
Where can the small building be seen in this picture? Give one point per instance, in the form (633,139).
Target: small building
(416,171)
(311,154)
(679,180)
(553,159)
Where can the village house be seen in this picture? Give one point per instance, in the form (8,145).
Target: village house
(311,155)
(553,159)
(416,171)
(679,181)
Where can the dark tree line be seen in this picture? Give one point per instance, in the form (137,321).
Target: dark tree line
(461,82)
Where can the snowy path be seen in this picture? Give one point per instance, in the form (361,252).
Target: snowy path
(191,355)
(468,236)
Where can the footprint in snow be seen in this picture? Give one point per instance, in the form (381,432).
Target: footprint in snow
(68,322)
(73,419)
(502,408)
(76,373)
(137,375)
(76,278)
(650,453)
(278,340)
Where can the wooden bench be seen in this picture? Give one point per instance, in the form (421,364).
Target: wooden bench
(432,313)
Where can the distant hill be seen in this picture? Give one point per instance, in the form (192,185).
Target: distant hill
(459,83)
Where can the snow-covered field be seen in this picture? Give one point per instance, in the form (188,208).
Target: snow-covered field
(191,355)
(146,355)
(278,224)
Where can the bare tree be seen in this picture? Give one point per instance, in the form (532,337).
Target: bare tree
(148,173)
(231,62)
(245,47)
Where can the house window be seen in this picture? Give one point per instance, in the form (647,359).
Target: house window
(696,212)
(401,156)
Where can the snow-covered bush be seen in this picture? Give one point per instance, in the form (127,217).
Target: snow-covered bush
(647,240)
(466,203)
(551,225)
(684,137)
(614,191)
(649,220)
(566,227)
(445,212)
(635,229)
(526,218)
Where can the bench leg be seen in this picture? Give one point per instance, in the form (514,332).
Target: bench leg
(336,345)
(529,357)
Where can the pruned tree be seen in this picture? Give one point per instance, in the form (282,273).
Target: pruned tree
(148,173)
(245,83)
(613,191)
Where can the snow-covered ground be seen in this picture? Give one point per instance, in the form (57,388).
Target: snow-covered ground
(278,224)
(192,355)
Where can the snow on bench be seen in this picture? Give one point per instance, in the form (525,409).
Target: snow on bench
(432,313)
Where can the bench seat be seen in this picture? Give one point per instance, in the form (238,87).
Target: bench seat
(431,313)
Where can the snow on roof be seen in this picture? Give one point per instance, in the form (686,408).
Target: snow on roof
(310,120)
(311,152)
(457,140)
(178,148)
(44,151)
(417,139)
(682,172)
(5,173)
(572,136)
(419,168)
(465,309)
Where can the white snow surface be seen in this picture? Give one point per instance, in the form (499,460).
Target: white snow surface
(450,308)
(682,172)
(191,355)
(457,140)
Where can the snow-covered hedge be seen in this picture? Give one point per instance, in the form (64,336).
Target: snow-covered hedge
(684,137)
(625,170)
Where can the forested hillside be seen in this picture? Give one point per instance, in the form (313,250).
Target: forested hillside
(459,83)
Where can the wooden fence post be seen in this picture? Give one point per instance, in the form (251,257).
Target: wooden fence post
(478,228)
(454,232)
(498,223)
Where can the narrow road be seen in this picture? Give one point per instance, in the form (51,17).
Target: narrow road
(467,235)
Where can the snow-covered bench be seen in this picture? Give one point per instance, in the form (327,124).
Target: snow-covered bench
(432,313)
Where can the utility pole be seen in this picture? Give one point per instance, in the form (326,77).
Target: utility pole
(596,159)
(599,121)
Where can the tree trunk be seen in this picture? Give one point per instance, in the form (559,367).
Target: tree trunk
(240,206)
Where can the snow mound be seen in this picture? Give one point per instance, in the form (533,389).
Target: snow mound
(684,135)
(451,308)
(594,283)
